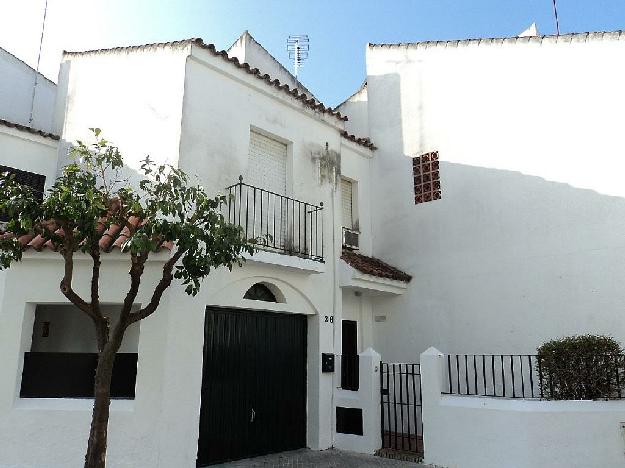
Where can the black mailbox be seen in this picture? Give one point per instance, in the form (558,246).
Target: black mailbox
(327,362)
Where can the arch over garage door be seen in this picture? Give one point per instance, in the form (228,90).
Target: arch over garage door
(290,299)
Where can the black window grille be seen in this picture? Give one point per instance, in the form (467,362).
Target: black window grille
(35,181)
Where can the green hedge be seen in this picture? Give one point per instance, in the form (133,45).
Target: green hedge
(586,367)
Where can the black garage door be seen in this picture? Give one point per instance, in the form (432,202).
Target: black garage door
(253,385)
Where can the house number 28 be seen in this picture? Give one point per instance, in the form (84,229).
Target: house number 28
(329,318)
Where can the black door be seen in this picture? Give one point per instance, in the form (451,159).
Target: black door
(253,385)
(349,355)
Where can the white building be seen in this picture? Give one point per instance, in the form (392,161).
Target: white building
(218,119)
(526,241)
(519,243)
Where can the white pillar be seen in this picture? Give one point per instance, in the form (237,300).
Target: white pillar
(366,398)
(432,380)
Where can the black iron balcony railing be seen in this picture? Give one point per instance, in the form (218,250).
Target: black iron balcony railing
(277,222)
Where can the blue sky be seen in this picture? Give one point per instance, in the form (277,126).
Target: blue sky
(339,30)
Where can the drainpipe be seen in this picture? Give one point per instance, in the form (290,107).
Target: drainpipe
(334,307)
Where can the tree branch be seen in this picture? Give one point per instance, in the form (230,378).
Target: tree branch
(101,323)
(95,279)
(162,285)
(66,283)
(67,251)
(136,271)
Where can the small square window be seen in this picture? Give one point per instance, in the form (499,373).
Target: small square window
(427,184)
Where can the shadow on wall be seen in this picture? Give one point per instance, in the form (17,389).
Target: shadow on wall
(503,262)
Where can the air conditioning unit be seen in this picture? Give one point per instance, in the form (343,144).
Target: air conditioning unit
(351,239)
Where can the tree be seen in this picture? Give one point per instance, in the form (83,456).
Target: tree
(165,210)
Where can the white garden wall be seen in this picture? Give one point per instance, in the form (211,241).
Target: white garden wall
(481,432)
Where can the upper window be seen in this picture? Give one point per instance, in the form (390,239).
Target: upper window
(267,163)
(347,203)
(427,183)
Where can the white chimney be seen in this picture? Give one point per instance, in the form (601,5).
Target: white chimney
(532,31)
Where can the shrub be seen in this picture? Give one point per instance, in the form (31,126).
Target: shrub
(586,367)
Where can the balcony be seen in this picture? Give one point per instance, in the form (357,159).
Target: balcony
(276,222)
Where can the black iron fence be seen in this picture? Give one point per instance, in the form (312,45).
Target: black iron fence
(350,375)
(494,375)
(402,427)
(278,223)
(520,376)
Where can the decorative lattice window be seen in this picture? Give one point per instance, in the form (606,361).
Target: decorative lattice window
(427,182)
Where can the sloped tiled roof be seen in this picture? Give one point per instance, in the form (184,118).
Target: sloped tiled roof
(374,266)
(365,141)
(24,128)
(252,39)
(113,237)
(309,102)
(562,38)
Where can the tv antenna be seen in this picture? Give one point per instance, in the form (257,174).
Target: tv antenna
(298,47)
(555,14)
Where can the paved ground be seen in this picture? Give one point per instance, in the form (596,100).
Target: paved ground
(326,459)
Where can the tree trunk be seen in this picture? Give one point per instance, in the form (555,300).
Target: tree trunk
(96,448)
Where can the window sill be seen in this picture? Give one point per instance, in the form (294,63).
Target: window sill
(69,404)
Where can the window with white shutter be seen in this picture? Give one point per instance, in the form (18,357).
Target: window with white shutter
(347,203)
(266,166)
(269,216)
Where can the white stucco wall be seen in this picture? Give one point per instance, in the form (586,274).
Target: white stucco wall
(481,432)
(134,96)
(28,152)
(16,94)
(356,109)
(526,243)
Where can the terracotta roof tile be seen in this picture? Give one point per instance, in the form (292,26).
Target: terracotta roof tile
(581,36)
(366,142)
(112,237)
(24,128)
(310,102)
(374,266)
